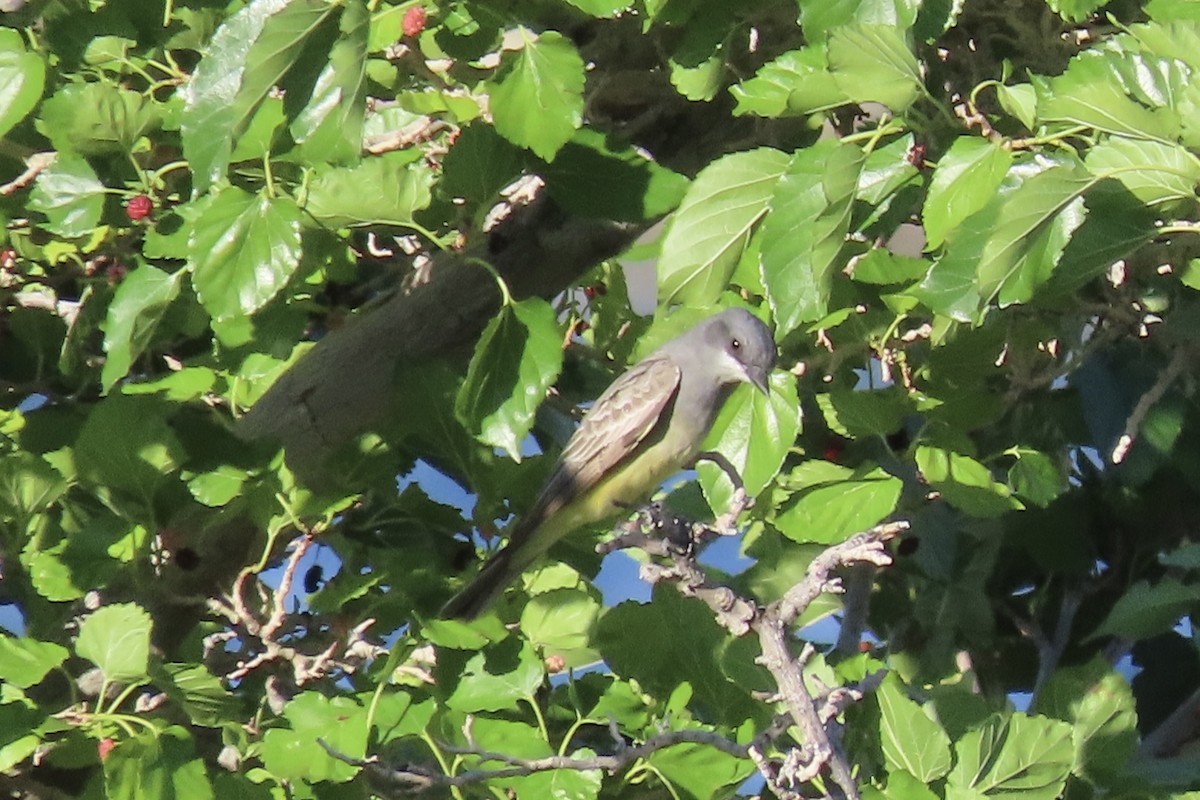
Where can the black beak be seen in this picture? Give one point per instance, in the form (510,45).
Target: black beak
(758,377)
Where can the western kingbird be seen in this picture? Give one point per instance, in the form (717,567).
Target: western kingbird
(646,426)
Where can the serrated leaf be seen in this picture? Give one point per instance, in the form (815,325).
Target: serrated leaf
(874,63)
(886,170)
(24,662)
(293,753)
(384,190)
(754,432)
(96,118)
(116,638)
(1091,93)
(70,195)
(157,763)
(1154,172)
(243,250)
(127,444)
(883,267)
(481,689)
(561,622)
(964,483)
(965,180)
(330,126)
(137,307)
(834,511)
(28,485)
(588,177)
(796,83)
(1146,610)
(1036,478)
(1002,253)
(22,77)
(713,223)
(1099,704)
(911,740)
(857,414)
(1030,755)
(687,644)
(805,230)
(538,103)
(515,361)
(212,114)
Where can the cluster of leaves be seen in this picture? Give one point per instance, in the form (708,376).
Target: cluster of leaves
(194,193)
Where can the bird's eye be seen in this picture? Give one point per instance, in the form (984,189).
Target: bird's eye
(735,344)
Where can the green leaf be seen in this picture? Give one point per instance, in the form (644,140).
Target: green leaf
(330,126)
(480,163)
(243,250)
(1154,172)
(1030,755)
(156,764)
(858,414)
(70,195)
(515,361)
(805,230)
(900,786)
(127,444)
(796,83)
(561,622)
(538,102)
(1075,10)
(687,644)
(833,511)
(589,178)
(1146,610)
(1036,477)
(96,118)
(883,267)
(481,690)
(22,77)
(912,741)
(562,784)
(116,638)
(137,307)
(754,432)
(385,190)
(28,485)
(1091,93)
(1098,702)
(1011,247)
(874,63)
(293,753)
(24,662)
(599,8)
(965,180)
(710,229)
(699,771)
(199,692)
(964,483)
(886,170)
(220,99)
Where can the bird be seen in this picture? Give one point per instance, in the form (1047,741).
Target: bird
(645,427)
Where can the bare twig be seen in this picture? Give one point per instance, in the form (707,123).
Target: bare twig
(1175,367)
(813,710)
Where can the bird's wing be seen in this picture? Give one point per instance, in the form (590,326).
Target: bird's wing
(616,424)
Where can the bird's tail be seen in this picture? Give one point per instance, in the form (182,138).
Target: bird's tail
(488,585)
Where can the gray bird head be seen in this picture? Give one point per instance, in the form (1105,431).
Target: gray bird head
(744,346)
